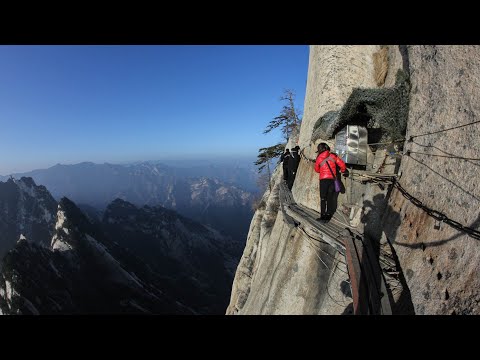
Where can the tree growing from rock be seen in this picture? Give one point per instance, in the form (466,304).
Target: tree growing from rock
(265,155)
(288,121)
(289,118)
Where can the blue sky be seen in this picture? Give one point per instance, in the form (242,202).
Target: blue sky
(68,104)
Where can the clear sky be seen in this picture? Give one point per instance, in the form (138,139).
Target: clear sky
(68,104)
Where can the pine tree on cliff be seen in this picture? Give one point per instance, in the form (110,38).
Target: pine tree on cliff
(265,156)
(288,121)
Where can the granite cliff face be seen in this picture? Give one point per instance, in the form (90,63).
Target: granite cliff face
(434,88)
(25,209)
(440,263)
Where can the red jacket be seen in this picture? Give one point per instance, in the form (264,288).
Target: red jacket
(332,161)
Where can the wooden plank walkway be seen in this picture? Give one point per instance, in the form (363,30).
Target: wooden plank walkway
(367,279)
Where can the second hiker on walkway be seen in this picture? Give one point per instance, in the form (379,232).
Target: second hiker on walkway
(293,165)
(326,165)
(284,159)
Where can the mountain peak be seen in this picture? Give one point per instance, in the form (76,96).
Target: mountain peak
(76,216)
(70,226)
(25,209)
(27,180)
(65,203)
(21,238)
(121,202)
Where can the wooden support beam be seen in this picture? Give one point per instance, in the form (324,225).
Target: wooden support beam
(367,277)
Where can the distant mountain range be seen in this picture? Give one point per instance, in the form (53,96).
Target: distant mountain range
(218,195)
(130,260)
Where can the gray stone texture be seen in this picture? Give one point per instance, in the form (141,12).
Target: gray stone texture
(445,93)
(282,273)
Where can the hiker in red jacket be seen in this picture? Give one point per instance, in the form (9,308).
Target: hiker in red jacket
(326,165)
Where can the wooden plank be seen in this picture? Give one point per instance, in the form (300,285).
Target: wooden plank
(379,281)
(328,228)
(371,278)
(359,295)
(314,229)
(368,278)
(288,219)
(366,275)
(286,194)
(283,203)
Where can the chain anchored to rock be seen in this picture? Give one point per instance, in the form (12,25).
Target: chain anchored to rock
(303,156)
(437,215)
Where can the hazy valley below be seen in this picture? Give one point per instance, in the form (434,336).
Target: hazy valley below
(143,237)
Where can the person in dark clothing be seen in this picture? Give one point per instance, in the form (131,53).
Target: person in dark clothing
(285,159)
(293,163)
(326,166)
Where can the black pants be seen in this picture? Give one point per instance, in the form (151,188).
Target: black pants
(285,173)
(327,197)
(291,178)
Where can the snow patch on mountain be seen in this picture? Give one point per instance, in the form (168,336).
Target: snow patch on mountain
(60,219)
(59,245)
(57,242)
(9,290)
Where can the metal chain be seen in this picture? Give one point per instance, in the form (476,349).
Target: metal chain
(302,155)
(439,131)
(437,215)
(443,156)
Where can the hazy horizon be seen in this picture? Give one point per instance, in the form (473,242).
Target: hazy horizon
(172,162)
(117,104)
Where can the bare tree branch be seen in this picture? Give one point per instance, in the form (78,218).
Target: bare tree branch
(289,118)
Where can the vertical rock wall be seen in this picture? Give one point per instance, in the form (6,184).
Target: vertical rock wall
(440,263)
(281,272)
